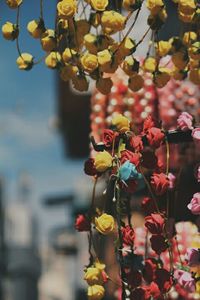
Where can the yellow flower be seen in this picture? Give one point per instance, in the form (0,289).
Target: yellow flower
(186,7)
(150,64)
(99,5)
(186,18)
(48,40)
(68,54)
(25,61)
(104,85)
(154,6)
(93,276)
(103,161)
(104,59)
(68,72)
(66,8)
(14,3)
(95,292)
(180,59)
(156,21)
(121,123)
(99,265)
(136,82)
(53,60)
(131,4)
(194,76)
(127,47)
(162,77)
(36,28)
(89,62)
(105,224)
(80,83)
(189,37)
(163,48)
(112,21)
(90,42)
(10,31)
(130,66)
(194,51)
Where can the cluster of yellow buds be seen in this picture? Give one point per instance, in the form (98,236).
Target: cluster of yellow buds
(84,44)
(95,276)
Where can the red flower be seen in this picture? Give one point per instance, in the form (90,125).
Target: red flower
(155,137)
(149,159)
(108,137)
(149,269)
(140,294)
(134,278)
(155,223)
(82,223)
(148,206)
(160,183)
(136,143)
(154,290)
(122,88)
(148,123)
(130,186)
(158,243)
(128,235)
(163,280)
(89,167)
(134,158)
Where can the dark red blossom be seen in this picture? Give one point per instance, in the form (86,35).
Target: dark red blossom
(148,206)
(136,143)
(155,137)
(154,290)
(128,235)
(109,137)
(149,159)
(150,266)
(155,223)
(148,123)
(89,167)
(163,280)
(82,223)
(158,243)
(140,293)
(134,277)
(134,158)
(160,183)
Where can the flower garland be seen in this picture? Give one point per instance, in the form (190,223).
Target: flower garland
(96,39)
(127,160)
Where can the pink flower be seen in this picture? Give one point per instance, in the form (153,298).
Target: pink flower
(185,121)
(193,257)
(198,174)
(196,136)
(194,204)
(185,280)
(172,180)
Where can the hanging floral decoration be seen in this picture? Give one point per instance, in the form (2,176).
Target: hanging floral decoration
(153,264)
(92,38)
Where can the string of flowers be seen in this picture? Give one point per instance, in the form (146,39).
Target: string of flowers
(129,160)
(87,30)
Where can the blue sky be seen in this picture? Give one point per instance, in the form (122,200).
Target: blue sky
(27,104)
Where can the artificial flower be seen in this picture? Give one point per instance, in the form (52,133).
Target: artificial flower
(194,204)
(109,138)
(180,59)
(14,3)
(163,48)
(185,121)
(25,61)
(89,167)
(149,64)
(82,223)
(150,266)
(68,54)
(189,37)
(134,158)
(155,223)
(196,135)
(128,171)
(127,47)
(158,243)
(186,7)
(89,62)
(48,40)
(53,60)
(99,5)
(193,257)
(95,292)
(36,28)
(155,137)
(66,8)
(104,59)
(10,31)
(163,279)
(185,280)
(161,77)
(172,180)
(130,66)
(154,290)
(154,6)
(136,143)
(160,183)
(80,83)
(104,85)
(68,72)
(139,293)
(121,123)
(93,276)
(112,21)
(103,161)
(128,235)
(105,224)
(131,5)
(134,277)
(136,82)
